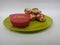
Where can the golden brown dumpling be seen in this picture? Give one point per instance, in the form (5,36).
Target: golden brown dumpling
(27,10)
(33,17)
(35,11)
(40,17)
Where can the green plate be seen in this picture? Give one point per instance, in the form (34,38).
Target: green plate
(34,26)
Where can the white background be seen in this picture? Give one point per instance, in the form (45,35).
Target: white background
(49,37)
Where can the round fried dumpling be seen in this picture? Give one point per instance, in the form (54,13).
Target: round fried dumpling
(32,17)
(40,17)
(35,11)
(27,10)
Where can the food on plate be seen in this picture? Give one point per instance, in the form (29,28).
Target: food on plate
(32,17)
(35,13)
(19,20)
(40,17)
(27,10)
(22,20)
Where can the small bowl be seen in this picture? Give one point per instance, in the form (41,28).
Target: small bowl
(20,20)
